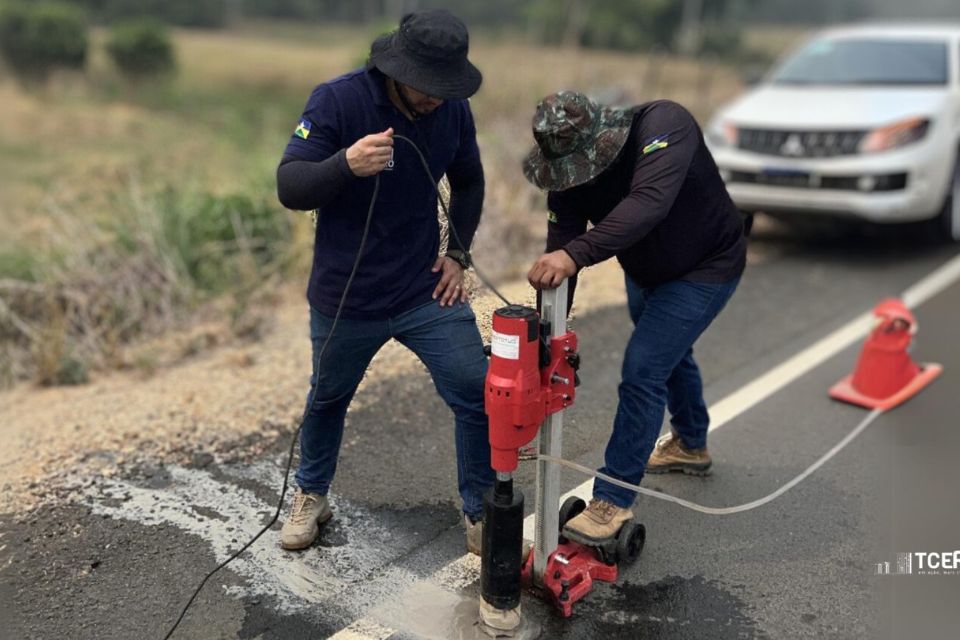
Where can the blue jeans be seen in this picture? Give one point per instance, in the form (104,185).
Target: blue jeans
(659,371)
(447,341)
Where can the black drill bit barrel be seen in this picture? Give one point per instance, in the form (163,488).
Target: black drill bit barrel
(501,558)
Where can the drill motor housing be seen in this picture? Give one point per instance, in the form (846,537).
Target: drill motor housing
(531,375)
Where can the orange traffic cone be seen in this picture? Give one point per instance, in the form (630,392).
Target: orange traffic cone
(886,375)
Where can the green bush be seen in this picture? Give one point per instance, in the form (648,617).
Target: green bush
(141,49)
(36,39)
(223,243)
(72,307)
(17,263)
(187,13)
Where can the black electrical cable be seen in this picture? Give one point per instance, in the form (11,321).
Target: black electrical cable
(313,395)
(316,365)
(446,212)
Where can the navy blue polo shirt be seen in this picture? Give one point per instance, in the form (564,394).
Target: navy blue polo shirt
(404,240)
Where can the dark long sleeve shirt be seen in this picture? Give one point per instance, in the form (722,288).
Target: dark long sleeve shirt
(306,186)
(662,208)
(395,273)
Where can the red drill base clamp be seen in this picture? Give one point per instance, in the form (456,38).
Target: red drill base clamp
(569,575)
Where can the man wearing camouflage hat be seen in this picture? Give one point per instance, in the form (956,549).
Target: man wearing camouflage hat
(645,180)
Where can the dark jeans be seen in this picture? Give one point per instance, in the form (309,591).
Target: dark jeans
(447,341)
(659,371)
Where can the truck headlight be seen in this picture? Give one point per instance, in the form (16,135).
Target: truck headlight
(722,134)
(893,136)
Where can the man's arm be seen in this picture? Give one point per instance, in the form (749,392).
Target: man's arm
(318,162)
(314,168)
(563,225)
(306,185)
(467,186)
(465,173)
(667,140)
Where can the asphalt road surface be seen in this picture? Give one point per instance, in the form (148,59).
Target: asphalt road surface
(391,564)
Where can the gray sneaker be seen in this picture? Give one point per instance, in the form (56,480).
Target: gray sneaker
(302,526)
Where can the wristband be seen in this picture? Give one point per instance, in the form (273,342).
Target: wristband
(460,257)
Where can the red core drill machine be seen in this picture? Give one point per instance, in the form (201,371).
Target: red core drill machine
(530,381)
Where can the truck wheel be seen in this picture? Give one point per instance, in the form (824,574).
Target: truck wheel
(946,226)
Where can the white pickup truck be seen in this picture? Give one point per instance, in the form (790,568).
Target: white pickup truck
(860,121)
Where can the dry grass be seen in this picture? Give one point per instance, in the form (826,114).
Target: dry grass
(77,146)
(78,151)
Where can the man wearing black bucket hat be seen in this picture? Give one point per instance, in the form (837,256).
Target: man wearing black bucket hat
(416,83)
(645,180)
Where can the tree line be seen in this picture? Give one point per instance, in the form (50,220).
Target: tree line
(687,26)
(593,17)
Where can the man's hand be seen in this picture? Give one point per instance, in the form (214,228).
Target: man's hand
(450,287)
(551,269)
(369,155)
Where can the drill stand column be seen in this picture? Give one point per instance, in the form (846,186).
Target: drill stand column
(530,381)
(560,570)
(553,309)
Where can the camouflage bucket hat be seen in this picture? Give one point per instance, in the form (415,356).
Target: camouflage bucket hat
(577,139)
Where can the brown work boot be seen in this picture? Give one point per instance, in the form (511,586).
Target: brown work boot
(474,534)
(671,455)
(475,538)
(598,523)
(302,526)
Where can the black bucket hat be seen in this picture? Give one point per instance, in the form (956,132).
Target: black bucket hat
(429,53)
(576,140)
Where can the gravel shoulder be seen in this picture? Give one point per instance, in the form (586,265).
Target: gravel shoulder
(223,405)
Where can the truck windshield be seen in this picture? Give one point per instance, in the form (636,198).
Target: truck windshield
(833,61)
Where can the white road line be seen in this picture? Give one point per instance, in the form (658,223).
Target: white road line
(783,374)
(759,390)
(933,284)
